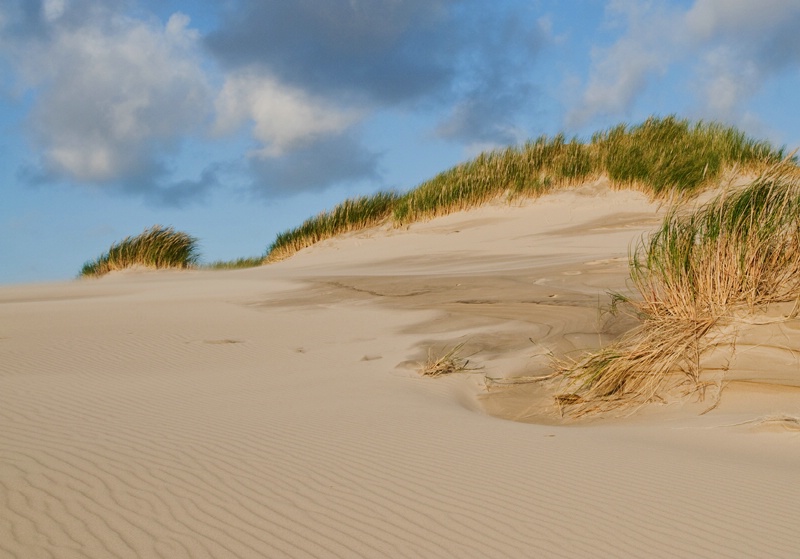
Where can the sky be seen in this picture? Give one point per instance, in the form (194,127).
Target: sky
(234,120)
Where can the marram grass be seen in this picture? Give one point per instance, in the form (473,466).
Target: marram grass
(238,264)
(661,156)
(351,215)
(529,171)
(157,247)
(737,253)
(669,154)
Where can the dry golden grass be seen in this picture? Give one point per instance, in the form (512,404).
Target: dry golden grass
(447,364)
(738,253)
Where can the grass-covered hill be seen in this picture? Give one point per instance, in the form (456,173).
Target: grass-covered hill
(661,156)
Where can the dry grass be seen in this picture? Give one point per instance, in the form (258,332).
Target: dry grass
(741,251)
(780,421)
(659,356)
(447,364)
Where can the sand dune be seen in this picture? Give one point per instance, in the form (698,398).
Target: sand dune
(278,412)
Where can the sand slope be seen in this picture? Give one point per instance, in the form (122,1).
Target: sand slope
(276,412)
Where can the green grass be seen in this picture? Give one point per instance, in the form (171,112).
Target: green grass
(239,263)
(527,171)
(157,247)
(738,253)
(664,155)
(661,156)
(351,215)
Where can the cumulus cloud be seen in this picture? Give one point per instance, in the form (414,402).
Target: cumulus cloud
(470,60)
(306,142)
(114,95)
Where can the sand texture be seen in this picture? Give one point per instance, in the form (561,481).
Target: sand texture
(279,412)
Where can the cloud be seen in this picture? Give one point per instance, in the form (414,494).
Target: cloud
(768,22)
(283,117)
(741,45)
(733,46)
(305,74)
(381,52)
(116,94)
(305,141)
(113,95)
(621,72)
(177,193)
(469,60)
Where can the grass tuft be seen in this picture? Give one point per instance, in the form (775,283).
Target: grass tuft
(447,364)
(157,247)
(737,253)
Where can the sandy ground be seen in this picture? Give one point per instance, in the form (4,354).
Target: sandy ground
(278,412)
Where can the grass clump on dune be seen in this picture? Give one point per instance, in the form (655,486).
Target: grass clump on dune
(351,215)
(157,247)
(737,253)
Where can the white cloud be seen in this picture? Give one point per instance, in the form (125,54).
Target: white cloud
(112,96)
(708,19)
(283,117)
(725,80)
(620,74)
(54,9)
(732,47)
(622,71)
(740,45)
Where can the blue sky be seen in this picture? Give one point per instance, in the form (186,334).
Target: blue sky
(234,120)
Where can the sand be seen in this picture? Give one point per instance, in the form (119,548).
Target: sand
(279,412)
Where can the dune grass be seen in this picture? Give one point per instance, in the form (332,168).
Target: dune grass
(157,247)
(529,171)
(737,253)
(351,215)
(238,264)
(447,364)
(664,155)
(661,156)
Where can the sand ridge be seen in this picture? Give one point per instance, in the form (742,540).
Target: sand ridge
(277,412)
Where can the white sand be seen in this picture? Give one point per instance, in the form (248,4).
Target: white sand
(275,412)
